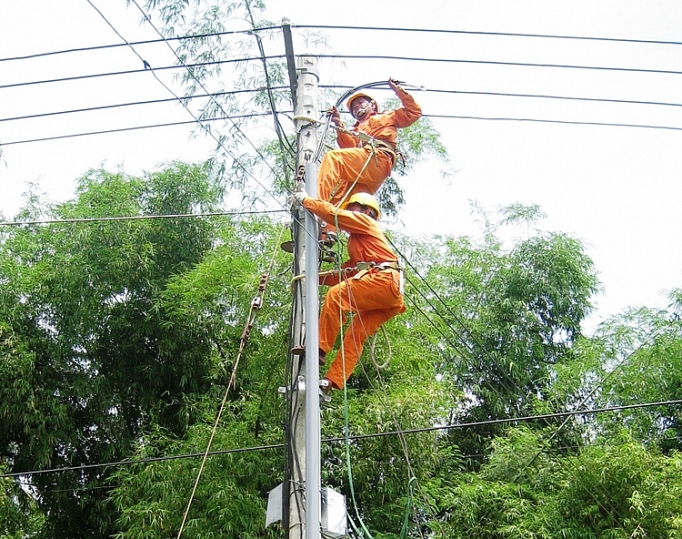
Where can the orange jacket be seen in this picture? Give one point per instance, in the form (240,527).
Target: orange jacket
(384,126)
(366,243)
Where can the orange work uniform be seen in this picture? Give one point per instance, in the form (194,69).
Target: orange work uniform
(375,297)
(354,164)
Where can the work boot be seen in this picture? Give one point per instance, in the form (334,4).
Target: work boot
(327,255)
(327,238)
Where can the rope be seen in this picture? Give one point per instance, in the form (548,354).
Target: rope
(371,350)
(256,305)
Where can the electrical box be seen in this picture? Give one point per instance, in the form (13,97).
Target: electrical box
(334,523)
(273,514)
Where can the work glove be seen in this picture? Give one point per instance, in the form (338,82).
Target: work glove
(296,199)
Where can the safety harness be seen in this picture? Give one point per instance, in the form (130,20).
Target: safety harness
(363,268)
(373,145)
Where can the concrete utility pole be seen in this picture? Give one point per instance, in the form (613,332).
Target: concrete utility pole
(304,487)
(300,504)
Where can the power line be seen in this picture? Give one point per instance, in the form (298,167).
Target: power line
(481,33)
(135,43)
(354,57)
(134,71)
(429,90)
(338,27)
(442,116)
(566,122)
(494,62)
(135,217)
(134,128)
(134,103)
(421,430)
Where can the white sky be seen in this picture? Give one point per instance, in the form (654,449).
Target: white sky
(616,188)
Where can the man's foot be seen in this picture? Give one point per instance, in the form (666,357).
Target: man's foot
(327,238)
(327,255)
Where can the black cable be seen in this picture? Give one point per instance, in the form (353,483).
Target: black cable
(134,71)
(480,33)
(134,128)
(496,63)
(534,96)
(135,217)
(451,426)
(443,116)
(462,324)
(540,120)
(134,103)
(337,27)
(135,43)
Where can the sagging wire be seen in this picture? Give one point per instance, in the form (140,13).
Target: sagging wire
(470,352)
(281,136)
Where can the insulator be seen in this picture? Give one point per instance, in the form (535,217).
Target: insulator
(257,302)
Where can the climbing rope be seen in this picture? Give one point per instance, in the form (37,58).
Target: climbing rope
(256,304)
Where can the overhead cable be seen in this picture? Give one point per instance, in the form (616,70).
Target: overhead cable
(420,430)
(146,68)
(136,43)
(494,62)
(135,217)
(481,33)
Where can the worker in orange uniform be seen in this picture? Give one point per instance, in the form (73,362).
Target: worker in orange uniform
(370,285)
(362,163)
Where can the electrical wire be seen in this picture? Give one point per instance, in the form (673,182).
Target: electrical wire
(463,325)
(131,104)
(144,69)
(135,43)
(197,120)
(218,104)
(136,128)
(441,116)
(359,437)
(135,217)
(339,27)
(495,63)
(481,33)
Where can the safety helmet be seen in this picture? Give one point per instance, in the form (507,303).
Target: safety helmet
(361,94)
(364,199)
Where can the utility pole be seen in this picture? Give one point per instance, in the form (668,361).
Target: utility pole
(299,503)
(304,423)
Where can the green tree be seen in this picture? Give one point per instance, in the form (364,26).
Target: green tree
(92,358)
(505,319)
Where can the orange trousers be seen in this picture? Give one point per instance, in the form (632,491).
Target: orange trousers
(374,299)
(351,170)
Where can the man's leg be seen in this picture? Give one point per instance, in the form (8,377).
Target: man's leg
(342,168)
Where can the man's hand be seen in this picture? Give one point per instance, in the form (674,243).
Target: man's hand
(394,84)
(336,117)
(296,199)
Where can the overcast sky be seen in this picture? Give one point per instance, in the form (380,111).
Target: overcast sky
(618,189)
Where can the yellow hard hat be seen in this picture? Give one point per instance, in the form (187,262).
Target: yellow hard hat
(361,94)
(364,199)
